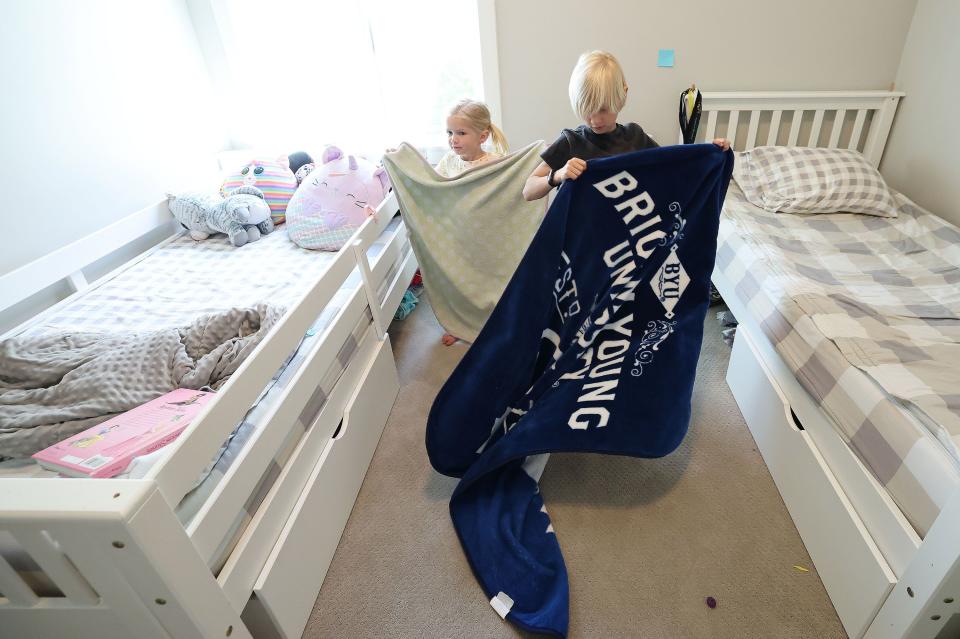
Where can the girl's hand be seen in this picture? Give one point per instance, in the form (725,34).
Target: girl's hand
(723,143)
(572,169)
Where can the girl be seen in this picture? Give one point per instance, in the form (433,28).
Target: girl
(468,128)
(598,92)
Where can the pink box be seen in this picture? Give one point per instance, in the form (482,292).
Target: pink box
(108,448)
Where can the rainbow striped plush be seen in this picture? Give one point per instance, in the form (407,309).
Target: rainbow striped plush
(273,177)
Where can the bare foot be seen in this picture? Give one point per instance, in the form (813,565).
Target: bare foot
(448,339)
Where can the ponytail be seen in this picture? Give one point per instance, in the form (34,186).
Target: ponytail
(498,139)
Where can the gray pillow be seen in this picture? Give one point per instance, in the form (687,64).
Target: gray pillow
(812,180)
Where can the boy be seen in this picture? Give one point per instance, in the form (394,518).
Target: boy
(598,92)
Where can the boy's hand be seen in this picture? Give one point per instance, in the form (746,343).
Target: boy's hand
(572,169)
(723,143)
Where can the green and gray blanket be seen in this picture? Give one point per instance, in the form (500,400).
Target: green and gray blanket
(468,232)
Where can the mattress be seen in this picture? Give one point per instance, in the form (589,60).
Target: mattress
(183,279)
(866,313)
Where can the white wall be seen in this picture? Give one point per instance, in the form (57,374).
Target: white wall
(105,104)
(921,159)
(730,45)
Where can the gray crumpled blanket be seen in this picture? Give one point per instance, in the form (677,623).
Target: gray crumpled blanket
(54,385)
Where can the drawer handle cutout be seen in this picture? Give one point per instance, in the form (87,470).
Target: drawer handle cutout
(796,420)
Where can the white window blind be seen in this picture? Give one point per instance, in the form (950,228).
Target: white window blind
(363,75)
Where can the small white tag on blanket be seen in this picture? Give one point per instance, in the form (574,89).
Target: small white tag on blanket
(502,603)
(534,465)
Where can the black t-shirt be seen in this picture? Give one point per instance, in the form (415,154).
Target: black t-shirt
(583,143)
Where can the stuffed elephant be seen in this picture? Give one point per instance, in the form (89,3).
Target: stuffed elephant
(243,215)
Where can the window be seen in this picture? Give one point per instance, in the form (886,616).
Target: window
(363,75)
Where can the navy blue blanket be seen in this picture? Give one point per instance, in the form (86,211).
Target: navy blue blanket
(593,347)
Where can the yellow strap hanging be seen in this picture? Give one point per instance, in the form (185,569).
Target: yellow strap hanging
(691,100)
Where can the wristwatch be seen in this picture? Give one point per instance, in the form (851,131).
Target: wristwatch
(550,179)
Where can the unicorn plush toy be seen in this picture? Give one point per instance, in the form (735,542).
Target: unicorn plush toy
(334,200)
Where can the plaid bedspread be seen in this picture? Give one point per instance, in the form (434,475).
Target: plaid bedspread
(866,313)
(185,279)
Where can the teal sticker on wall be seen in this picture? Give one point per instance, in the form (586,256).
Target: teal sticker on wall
(665,58)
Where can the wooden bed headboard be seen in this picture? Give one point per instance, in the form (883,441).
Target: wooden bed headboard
(858,120)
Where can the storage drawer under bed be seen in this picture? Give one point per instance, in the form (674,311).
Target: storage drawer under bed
(850,565)
(287,587)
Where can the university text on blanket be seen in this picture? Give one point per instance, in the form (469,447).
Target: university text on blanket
(603,358)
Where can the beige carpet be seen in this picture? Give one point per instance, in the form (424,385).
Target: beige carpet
(645,540)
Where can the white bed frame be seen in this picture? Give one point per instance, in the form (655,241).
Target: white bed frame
(115,548)
(883,580)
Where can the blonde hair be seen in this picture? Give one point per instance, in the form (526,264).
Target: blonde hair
(597,82)
(478,115)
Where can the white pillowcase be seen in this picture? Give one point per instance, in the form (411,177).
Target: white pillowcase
(812,180)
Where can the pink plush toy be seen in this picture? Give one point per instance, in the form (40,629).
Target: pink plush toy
(335,199)
(273,177)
